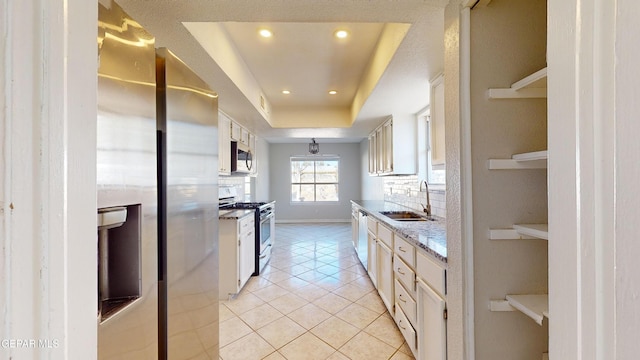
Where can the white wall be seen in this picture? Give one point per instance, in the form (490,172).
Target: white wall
(460,316)
(594,170)
(280,183)
(261,184)
(625,192)
(48,242)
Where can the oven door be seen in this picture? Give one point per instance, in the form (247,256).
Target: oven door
(265,232)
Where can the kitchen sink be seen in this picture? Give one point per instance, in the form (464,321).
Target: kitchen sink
(405,216)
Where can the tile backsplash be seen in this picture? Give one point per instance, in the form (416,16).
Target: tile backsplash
(239,183)
(405,190)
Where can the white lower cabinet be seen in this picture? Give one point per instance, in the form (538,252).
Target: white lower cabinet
(372,234)
(412,285)
(406,302)
(354,227)
(385,274)
(432,324)
(420,310)
(237,254)
(405,274)
(372,258)
(407,330)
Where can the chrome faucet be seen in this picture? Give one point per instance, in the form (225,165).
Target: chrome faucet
(427,207)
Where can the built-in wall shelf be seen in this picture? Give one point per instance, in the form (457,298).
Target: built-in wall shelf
(521,232)
(530,160)
(534,306)
(540,231)
(531,156)
(532,86)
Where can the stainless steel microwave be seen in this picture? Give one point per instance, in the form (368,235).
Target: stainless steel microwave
(241,158)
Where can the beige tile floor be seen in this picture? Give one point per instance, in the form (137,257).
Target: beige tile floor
(313,301)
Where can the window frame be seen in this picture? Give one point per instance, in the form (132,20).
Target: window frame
(315,183)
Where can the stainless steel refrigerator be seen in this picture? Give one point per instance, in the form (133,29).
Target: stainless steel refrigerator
(157,161)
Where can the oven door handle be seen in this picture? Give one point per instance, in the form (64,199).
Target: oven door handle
(266,217)
(265,255)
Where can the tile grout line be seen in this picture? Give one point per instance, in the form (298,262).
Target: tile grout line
(321,255)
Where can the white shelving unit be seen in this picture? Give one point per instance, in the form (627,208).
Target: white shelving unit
(540,231)
(532,86)
(534,306)
(530,160)
(531,156)
(521,232)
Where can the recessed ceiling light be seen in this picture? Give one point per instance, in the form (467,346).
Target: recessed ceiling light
(286,92)
(265,33)
(332,92)
(341,34)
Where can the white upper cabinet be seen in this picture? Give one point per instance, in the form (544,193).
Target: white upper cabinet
(236,131)
(436,123)
(245,136)
(239,133)
(253,143)
(230,130)
(392,147)
(372,151)
(224,144)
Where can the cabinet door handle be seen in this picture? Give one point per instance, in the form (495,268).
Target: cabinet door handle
(401,249)
(401,299)
(400,272)
(400,325)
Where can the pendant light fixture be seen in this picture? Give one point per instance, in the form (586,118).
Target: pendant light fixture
(314,147)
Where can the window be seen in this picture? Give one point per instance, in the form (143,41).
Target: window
(314,179)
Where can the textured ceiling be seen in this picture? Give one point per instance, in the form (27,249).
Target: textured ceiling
(303,57)
(306,59)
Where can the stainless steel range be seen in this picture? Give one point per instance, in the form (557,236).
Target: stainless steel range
(265,229)
(265,225)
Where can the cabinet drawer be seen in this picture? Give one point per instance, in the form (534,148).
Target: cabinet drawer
(406,302)
(405,250)
(406,329)
(249,235)
(385,235)
(405,274)
(246,226)
(432,273)
(246,222)
(372,225)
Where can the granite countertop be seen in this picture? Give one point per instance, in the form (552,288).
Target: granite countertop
(234,214)
(429,236)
